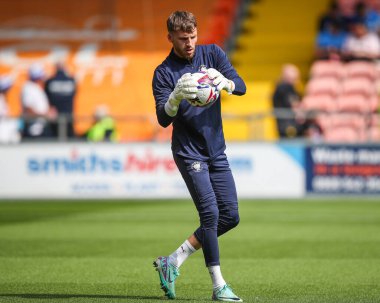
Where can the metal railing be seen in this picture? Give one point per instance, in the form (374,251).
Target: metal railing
(261,126)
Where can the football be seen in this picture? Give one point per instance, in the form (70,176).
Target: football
(207,91)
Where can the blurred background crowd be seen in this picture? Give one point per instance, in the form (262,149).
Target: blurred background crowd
(82,70)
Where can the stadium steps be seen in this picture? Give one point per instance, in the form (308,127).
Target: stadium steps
(277,32)
(273,33)
(237,112)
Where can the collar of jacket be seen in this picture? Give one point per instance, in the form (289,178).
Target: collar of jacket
(173,56)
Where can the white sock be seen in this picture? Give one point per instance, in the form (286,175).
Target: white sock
(216,276)
(181,254)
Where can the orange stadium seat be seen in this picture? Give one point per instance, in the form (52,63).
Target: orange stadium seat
(221,20)
(354,120)
(371,134)
(374,133)
(324,68)
(360,85)
(374,102)
(324,121)
(338,120)
(342,134)
(361,69)
(322,102)
(323,86)
(344,94)
(374,120)
(353,103)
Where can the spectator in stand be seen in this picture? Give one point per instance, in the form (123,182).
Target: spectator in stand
(9,127)
(286,102)
(61,90)
(367,15)
(104,127)
(333,15)
(6,83)
(361,44)
(35,105)
(330,41)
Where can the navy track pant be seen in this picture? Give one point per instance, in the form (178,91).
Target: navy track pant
(212,188)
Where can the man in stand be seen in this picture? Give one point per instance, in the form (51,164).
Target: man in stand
(61,89)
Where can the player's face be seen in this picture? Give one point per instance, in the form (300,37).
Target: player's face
(184,43)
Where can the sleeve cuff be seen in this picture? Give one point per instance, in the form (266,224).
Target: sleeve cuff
(171,106)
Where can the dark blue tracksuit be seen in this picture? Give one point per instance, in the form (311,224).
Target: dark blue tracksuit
(198,145)
(61,90)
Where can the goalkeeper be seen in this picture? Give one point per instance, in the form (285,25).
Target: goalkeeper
(198,147)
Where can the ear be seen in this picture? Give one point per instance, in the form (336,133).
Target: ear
(170,38)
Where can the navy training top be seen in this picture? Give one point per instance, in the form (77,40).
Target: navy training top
(61,90)
(197,131)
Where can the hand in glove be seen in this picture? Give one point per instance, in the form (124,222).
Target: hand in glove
(220,81)
(186,88)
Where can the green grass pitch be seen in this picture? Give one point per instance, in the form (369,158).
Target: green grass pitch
(282,251)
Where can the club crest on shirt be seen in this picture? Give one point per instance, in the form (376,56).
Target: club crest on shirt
(202,68)
(196,166)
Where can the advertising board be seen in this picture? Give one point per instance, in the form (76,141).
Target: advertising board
(343,169)
(126,171)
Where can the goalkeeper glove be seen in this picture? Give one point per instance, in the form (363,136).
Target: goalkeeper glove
(220,81)
(186,88)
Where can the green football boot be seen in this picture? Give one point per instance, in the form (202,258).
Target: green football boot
(167,273)
(225,294)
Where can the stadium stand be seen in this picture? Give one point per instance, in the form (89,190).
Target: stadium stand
(332,87)
(271,26)
(348,95)
(221,21)
(273,33)
(111,47)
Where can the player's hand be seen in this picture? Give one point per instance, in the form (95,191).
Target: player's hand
(186,88)
(220,81)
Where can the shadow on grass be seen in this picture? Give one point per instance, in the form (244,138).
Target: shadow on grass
(68,296)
